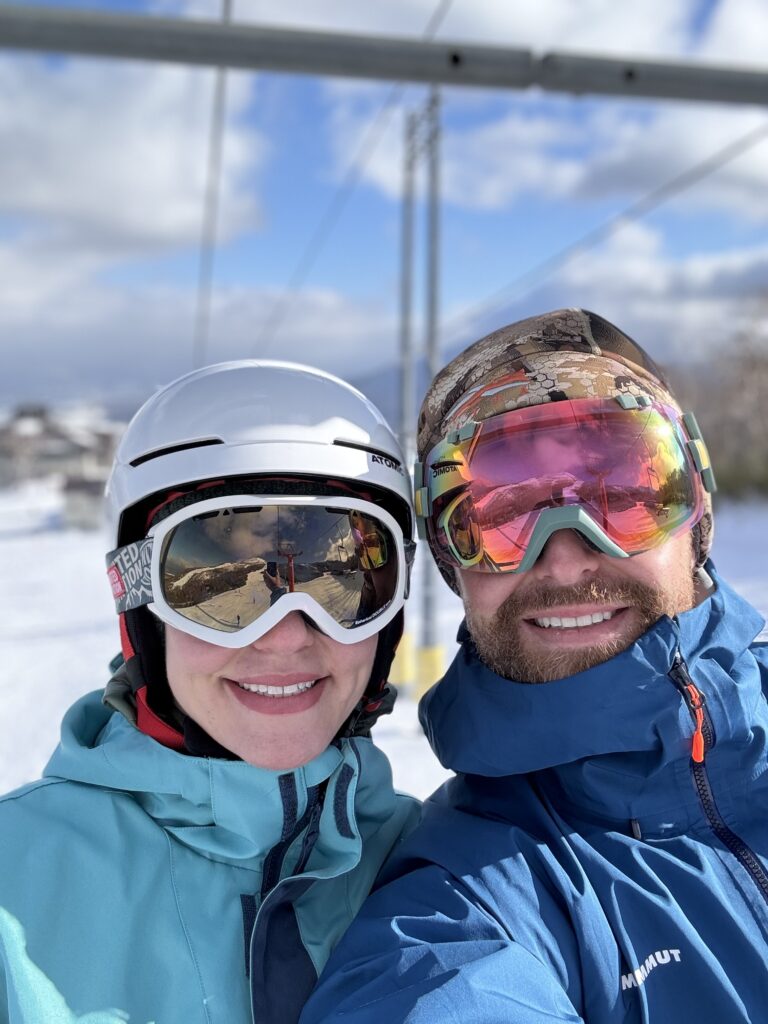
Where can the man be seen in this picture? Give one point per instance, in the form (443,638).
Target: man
(602,854)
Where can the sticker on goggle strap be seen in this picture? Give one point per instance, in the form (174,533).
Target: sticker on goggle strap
(129,574)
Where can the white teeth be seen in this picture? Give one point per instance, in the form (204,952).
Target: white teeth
(583,620)
(278,691)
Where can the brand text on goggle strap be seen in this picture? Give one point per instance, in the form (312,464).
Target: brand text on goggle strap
(129,574)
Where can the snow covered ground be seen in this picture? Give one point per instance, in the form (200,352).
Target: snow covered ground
(58,630)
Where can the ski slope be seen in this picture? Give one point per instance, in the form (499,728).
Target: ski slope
(58,630)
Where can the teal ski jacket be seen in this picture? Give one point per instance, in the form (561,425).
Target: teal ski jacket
(602,855)
(140,884)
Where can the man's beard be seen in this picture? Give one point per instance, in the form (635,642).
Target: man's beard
(502,649)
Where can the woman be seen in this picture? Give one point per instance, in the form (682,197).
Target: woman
(210,824)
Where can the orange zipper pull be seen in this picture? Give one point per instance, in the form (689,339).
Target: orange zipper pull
(697,752)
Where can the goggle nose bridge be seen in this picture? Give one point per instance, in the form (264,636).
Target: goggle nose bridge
(571,517)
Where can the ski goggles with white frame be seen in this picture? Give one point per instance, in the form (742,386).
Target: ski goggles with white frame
(228,569)
(628,473)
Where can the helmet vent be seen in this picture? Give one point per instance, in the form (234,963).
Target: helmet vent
(174,448)
(372,451)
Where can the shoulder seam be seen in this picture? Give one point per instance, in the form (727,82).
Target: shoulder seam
(31,787)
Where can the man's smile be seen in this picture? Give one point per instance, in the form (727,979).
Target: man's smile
(575,626)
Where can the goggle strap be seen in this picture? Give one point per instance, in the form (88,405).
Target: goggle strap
(699,452)
(421,501)
(627,401)
(409,546)
(129,571)
(466,433)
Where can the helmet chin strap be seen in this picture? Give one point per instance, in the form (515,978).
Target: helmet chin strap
(379,695)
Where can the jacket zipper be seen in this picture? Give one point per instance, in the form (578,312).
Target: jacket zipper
(296,883)
(703,740)
(295,887)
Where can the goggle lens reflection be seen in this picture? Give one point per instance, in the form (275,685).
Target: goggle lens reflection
(224,569)
(629,469)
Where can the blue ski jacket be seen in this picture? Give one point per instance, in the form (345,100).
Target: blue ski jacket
(601,856)
(139,884)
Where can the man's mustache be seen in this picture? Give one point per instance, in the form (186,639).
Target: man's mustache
(539,597)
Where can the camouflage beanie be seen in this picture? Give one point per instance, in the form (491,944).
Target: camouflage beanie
(566,354)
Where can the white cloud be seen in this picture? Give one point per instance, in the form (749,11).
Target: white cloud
(486,165)
(634,155)
(114,155)
(554,148)
(104,163)
(558,146)
(679,309)
(491,165)
(103,166)
(34,275)
(653,27)
(70,335)
(129,339)
(736,33)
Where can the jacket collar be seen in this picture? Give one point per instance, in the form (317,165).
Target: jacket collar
(624,714)
(226,810)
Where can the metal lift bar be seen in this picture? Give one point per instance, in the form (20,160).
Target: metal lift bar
(246,46)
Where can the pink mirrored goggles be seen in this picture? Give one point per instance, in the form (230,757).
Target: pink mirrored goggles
(626,472)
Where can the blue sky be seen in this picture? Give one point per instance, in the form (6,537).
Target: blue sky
(103,169)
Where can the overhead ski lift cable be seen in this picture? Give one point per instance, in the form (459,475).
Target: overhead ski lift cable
(634,212)
(202,324)
(341,197)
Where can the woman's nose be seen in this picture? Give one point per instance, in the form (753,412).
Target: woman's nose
(293,633)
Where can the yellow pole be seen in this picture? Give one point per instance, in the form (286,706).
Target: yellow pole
(430,666)
(403,671)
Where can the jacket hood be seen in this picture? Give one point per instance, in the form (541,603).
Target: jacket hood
(226,810)
(611,732)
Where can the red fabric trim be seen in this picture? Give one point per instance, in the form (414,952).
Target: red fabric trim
(148,723)
(173,495)
(125,640)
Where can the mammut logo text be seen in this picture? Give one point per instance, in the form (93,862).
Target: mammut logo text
(658,959)
(382,460)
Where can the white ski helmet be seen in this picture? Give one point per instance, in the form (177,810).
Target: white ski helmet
(232,424)
(255,418)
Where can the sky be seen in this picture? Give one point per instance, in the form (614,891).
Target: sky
(103,169)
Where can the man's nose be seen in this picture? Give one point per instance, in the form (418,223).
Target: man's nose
(291,634)
(567,558)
